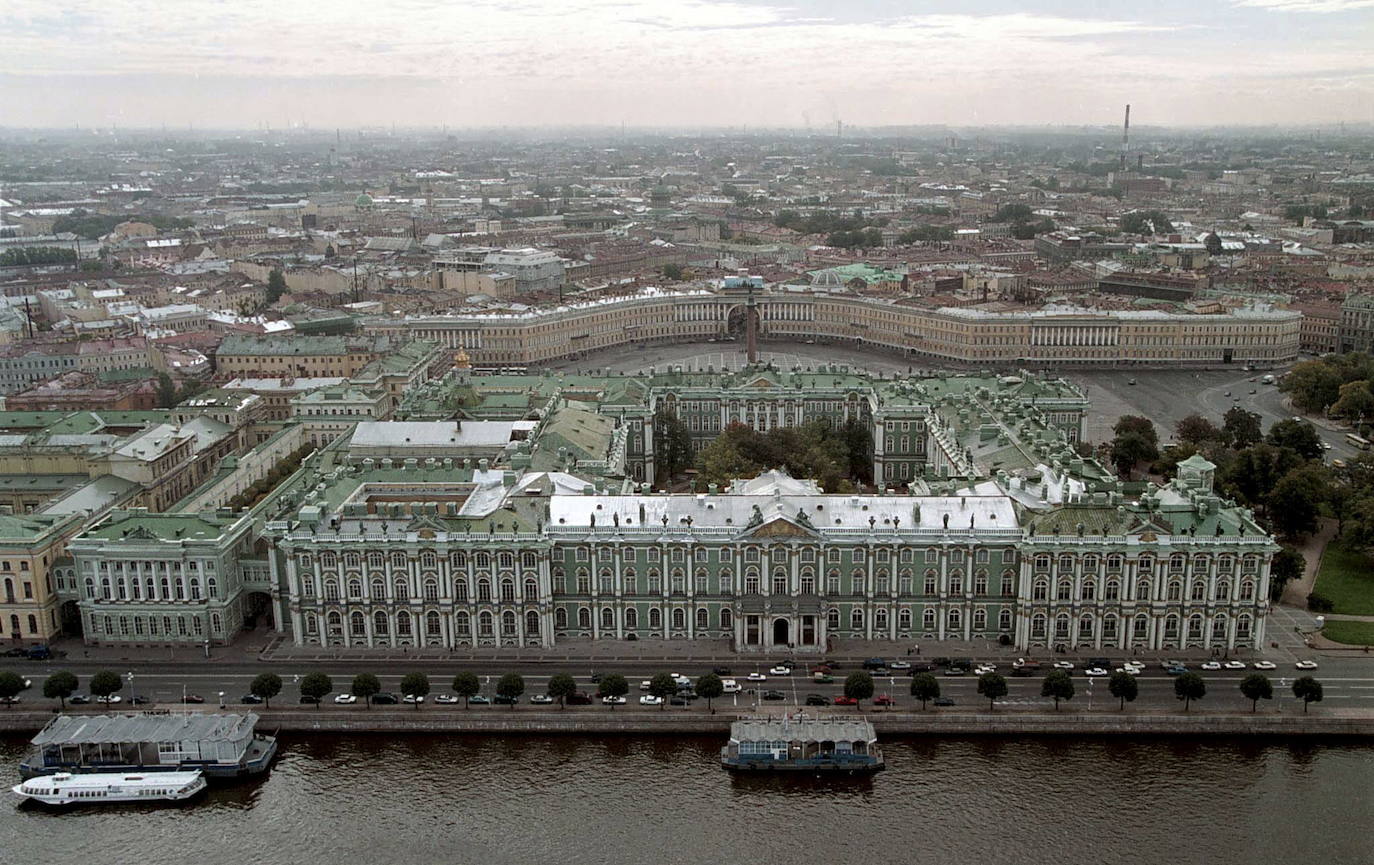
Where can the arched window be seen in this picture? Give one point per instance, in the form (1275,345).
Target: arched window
(483,590)
(379,623)
(375,560)
(880,620)
(679,619)
(904,620)
(631,618)
(1089,590)
(832,619)
(1195,627)
(1040,591)
(508,590)
(508,623)
(856,619)
(460,590)
(1109,627)
(482,560)
(1061,626)
(1247,590)
(212,586)
(1243,627)
(331,590)
(505,560)
(1141,627)
(727,619)
(352,560)
(355,588)
(607,619)
(335,622)
(356,624)
(928,619)
(1176,562)
(1004,620)
(403,623)
(399,562)
(560,619)
(956,582)
(980,619)
(431,589)
(1219,628)
(584,617)
(458,560)
(399,590)
(462,622)
(1085,627)
(1042,563)
(954,620)
(1038,625)
(432,624)
(1175,590)
(703,619)
(1199,591)
(1064,590)
(655,618)
(485,624)
(1142,590)
(428,560)
(1223,591)
(531,589)
(1171,627)
(1113,590)
(531,624)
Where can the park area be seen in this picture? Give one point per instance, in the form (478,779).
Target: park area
(1349,632)
(1346,579)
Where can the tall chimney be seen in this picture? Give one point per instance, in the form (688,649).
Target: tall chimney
(1125,137)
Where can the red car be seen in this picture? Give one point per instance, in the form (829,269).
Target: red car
(884,700)
(845,701)
(821,668)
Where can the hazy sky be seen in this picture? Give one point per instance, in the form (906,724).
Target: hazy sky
(688,63)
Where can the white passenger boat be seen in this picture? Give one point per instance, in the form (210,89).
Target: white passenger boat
(65,788)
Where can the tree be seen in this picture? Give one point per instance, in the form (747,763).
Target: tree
(924,687)
(1124,687)
(11,683)
(1058,685)
(467,686)
(1294,503)
(1213,244)
(316,685)
(166,391)
(672,270)
(992,686)
(1312,385)
(1146,222)
(1196,429)
(1307,689)
(1355,403)
(613,685)
(672,444)
(105,683)
(858,686)
(511,685)
(561,687)
(366,685)
(1240,428)
(276,285)
(1299,437)
(1135,442)
(1012,213)
(663,686)
(1189,687)
(265,685)
(60,686)
(710,686)
(1256,687)
(1254,471)
(1286,566)
(415,685)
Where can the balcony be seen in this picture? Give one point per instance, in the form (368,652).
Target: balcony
(256,575)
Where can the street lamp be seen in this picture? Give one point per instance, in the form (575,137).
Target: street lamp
(221,699)
(130,676)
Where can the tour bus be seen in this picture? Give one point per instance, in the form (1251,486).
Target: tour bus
(1356,441)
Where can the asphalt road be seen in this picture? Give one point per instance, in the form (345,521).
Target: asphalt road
(1348,683)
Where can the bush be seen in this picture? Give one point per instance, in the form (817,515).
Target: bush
(1319,603)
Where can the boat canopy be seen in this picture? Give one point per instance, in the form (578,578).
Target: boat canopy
(114,729)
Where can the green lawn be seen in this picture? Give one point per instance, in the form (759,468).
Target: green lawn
(1352,633)
(1347,578)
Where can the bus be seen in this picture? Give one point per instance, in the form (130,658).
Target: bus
(1357,442)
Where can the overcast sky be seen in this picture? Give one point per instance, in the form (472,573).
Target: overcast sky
(688,63)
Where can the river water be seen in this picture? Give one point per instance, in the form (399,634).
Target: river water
(571,800)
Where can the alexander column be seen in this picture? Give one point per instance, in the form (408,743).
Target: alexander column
(751,328)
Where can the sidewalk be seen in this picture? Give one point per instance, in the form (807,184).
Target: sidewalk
(1312,549)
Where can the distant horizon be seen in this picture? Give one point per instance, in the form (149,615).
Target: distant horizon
(777,64)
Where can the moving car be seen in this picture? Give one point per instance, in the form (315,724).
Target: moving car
(645,685)
(250,699)
(1265,665)
(756,677)
(780,671)
(955,671)
(1177,670)
(1095,671)
(1306,665)
(1063,665)
(730,686)
(197,699)
(112,699)
(984,669)
(342,699)
(721,671)
(82,699)
(898,665)
(875,664)
(1234,665)
(579,698)
(822,678)
(773,695)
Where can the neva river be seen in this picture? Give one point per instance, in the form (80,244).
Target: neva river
(439,800)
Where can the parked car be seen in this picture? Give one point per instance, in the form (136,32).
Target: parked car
(721,671)
(944,701)
(578,698)
(447,699)
(1095,671)
(342,699)
(817,700)
(884,700)
(503,700)
(541,699)
(1234,665)
(845,701)
(1177,670)
(773,695)
(983,669)
(645,685)
(756,677)
(899,665)
(955,671)
(1211,665)
(413,699)
(730,686)
(305,698)
(821,668)
(82,699)
(1265,665)
(822,678)
(611,700)
(197,699)
(249,699)
(679,701)
(780,671)
(650,700)
(875,664)
(1063,665)
(474,700)
(385,699)
(1306,665)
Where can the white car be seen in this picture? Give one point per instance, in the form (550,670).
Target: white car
(1095,671)
(1167,664)
(645,685)
(1211,665)
(984,669)
(756,677)
(731,686)
(1306,665)
(1130,669)
(780,671)
(650,700)
(345,699)
(1063,665)
(1234,665)
(1265,665)
(412,699)
(111,699)
(899,665)
(613,701)
(446,699)
(541,699)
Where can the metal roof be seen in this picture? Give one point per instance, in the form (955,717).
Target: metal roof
(802,729)
(97,729)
